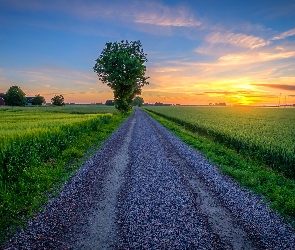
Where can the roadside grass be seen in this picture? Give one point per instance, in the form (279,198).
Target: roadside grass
(35,167)
(71,109)
(278,191)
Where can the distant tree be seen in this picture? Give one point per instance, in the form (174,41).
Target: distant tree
(138,101)
(38,100)
(121,66)
(15,97)
(2,95)
(58,100)
(110,103)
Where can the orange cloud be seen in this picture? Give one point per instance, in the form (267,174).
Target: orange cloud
(249,58)
(277,86)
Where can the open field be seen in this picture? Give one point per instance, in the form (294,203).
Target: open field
(72,109)
(39,149)
(265,133)
(29,121)
(253,145)
(147,189)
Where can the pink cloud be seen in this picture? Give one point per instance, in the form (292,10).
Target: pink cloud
(278,86)
(240,40)
(285,35)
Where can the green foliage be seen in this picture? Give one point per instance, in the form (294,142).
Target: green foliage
(30,111)
(36,148)
(264,134)
(58,100)
(138,101)
(38,100)
(110,103)
(15,97)
(278,190)
(122,105)
(121,66)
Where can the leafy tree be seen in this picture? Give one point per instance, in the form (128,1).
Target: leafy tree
(58,100)
(121,66)
(110,103)
(15,97)
(138,101)
(38,100)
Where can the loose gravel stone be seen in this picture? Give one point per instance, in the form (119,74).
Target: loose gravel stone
(145,189)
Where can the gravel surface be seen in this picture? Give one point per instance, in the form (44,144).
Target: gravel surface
(145,189)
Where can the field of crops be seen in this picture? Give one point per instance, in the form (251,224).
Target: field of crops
(37,145)
(31,121)
(266,134)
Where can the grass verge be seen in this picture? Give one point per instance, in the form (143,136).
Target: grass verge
(279,191)
(23,196)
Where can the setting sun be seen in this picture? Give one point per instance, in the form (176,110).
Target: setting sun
(240,54)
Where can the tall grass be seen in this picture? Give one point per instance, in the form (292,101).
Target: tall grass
(266,134)
(36,149)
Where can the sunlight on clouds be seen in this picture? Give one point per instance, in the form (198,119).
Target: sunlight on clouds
(216,49)
(166,70)
(76,86)
(239,40)
(205,58)
(248,58)
(193,84)
(81,82)
(285,35)
(162,15)
(148,12)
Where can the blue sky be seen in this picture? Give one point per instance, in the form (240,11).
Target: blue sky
(199,52)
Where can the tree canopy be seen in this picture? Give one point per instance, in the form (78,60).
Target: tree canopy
(38,100)
(15,97)
(121,66)
(138,101)
(109,103)
(58,100)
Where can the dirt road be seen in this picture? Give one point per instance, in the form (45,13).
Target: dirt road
(145,189)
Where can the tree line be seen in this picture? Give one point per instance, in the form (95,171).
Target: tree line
(16,97)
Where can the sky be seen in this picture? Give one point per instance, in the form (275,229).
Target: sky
(199,51)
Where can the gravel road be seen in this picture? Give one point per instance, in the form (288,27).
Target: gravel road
(145,189)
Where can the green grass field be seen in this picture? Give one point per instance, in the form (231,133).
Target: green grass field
(255,146)
(40,148)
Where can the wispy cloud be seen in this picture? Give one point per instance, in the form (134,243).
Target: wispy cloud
(285,35)
(55,79)
(240,40)
(150,12)
(229,92)
(150,17)
(253,94)
(251,58)
(279,9)
(158,14)
(277,86)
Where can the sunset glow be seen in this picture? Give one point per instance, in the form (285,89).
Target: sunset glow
(241,52)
